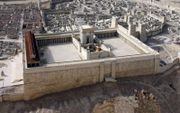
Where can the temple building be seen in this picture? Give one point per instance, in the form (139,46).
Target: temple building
(58,62)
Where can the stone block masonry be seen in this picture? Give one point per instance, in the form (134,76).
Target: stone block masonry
(60,77)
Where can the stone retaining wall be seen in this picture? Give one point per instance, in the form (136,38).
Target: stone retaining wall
(60,77)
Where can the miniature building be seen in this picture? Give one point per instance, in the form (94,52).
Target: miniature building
(91,47)
(132,29)
(131,26)
(147,26)
(86,34)
(82,58)
(68,55)
(143,36)
(44,4)
(32,55)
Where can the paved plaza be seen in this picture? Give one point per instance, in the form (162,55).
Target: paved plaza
(119,47)
(61,53)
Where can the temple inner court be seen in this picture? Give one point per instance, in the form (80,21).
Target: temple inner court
(60,53)
(119,47)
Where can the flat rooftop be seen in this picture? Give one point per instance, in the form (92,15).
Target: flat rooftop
(60,53)
(119,47)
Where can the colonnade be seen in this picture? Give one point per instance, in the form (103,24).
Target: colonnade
(106,35)
(45,42)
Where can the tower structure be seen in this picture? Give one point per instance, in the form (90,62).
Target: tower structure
(142,30)
(114,22)
(131,26)
(86,34)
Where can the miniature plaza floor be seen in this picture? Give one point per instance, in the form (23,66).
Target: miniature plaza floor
(119,47)
(67,52)
(60,53)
